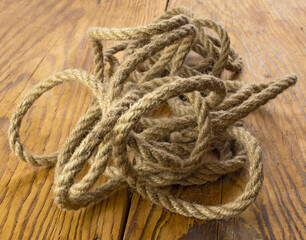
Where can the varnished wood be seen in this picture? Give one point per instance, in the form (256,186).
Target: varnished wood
(38,38)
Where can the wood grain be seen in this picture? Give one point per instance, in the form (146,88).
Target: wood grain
(38,38)
(270,36)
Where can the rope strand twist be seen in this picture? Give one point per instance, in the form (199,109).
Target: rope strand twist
(205,115)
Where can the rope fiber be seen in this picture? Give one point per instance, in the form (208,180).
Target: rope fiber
(205,114)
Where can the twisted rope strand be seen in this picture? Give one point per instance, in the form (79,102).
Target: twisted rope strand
(205,114)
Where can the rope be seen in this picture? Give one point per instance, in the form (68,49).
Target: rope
(205,116)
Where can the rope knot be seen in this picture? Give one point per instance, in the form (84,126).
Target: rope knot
(204,115)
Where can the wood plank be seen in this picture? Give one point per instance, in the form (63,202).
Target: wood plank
(270,36)
(39,38)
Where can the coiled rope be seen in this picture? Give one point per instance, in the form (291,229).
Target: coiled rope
(205,114)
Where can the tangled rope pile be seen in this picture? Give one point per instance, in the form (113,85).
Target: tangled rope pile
(205,114)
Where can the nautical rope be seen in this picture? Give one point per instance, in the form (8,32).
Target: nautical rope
(205,114)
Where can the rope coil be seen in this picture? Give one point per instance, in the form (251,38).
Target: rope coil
(205,115)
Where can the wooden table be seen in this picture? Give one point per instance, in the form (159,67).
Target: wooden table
(39,38)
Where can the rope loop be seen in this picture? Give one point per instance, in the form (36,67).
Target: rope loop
(205,114)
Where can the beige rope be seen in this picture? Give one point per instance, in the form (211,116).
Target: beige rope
(205,114)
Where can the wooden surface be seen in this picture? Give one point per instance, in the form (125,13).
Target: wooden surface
(39,38)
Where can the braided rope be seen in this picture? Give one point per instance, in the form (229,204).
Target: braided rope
(205,114)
